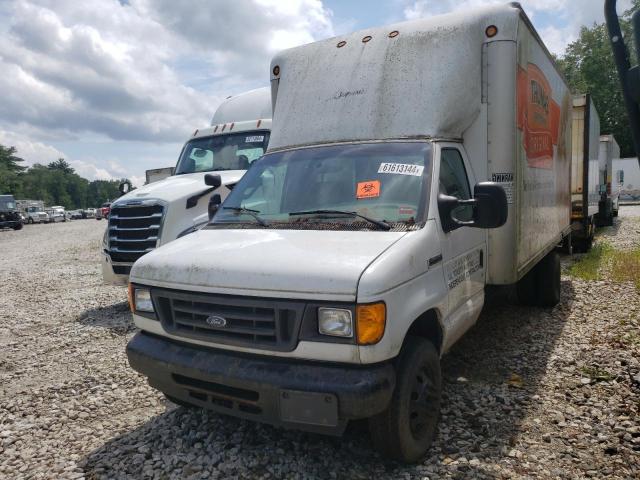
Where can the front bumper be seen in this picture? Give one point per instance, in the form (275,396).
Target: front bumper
(284,392)
(109,276)
(9,223)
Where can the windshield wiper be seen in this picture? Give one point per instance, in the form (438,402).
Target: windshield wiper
(381,224)
(249,211)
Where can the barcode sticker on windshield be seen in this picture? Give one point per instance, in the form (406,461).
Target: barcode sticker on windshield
(256,138)
(401,169)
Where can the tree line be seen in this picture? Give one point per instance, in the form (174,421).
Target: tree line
(588,66)
(56,183)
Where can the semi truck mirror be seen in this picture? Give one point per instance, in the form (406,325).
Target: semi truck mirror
(491,208)
(213,180)
(124,188)
(214,204)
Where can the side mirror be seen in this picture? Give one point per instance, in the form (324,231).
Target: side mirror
(489,203)
(213,180)
(214,204)
(124,188)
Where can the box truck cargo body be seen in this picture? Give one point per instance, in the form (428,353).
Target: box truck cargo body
(587,172)
(409,166)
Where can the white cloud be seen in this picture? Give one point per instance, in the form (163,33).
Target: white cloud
(558,21)
(138,71)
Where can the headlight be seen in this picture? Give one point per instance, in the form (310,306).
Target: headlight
(335,322)
(140,299)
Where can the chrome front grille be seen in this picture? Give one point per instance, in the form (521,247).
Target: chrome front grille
(242,321)
(134,229)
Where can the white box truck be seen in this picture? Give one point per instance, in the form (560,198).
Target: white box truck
(357,250)
(33,210)
(610,195)
(587,174)
(164,210)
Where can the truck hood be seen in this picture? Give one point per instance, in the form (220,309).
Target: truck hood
(178,186)
(307,264)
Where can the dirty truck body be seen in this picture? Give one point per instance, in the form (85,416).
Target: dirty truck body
(301,314)
(586,171)
(161,211)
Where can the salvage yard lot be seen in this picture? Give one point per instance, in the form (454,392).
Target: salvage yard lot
(527,393)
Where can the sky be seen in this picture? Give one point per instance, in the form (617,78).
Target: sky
(116,86)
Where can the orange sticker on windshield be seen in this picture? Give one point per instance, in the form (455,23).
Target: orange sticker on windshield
(368,189)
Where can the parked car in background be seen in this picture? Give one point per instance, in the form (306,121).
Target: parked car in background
(105,209)
(76,215)
(89,213)
(56,214)
(9,214)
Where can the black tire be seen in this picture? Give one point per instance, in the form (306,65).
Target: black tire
(17,226)
(181,403)
(548,280)
(30,221)
(526,288)
(406,429)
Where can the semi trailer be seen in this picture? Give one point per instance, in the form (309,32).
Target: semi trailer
(161,211)
(586,172)
(409,167)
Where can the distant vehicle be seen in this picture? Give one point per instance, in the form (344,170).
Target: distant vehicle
(89,213)
(609,196)
(586,179)
(56,214)
(103,211)
(76,214)
(626,178)
(9,214)
(157,174)
(33,210)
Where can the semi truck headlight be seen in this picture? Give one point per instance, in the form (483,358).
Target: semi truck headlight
(140,299)
(371,320)
(335,322)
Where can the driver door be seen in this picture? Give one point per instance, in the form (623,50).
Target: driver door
(463,248)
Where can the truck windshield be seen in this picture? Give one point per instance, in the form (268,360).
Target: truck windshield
(333,187)
(222,152)
(7,204)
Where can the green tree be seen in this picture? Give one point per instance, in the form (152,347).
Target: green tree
(62,165)
(589,67)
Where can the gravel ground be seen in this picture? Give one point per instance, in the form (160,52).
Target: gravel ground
(529,393)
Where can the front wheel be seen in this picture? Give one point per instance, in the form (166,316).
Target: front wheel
(17,226)
(406,429)
(30,221)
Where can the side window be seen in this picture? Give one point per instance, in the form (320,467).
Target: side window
(454,181)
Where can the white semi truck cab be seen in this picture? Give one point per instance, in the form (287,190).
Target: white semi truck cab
(160,212)
(409,167)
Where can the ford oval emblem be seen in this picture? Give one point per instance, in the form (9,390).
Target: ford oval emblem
(216,321)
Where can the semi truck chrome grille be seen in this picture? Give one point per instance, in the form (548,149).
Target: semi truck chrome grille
(230,320)
(134,230)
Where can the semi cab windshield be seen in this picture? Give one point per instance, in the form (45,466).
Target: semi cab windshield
(7,204)
(222,152)
(338,184)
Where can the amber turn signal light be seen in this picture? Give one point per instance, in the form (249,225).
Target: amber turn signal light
(370,322)
(130,298)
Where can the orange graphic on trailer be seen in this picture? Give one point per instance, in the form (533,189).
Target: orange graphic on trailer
(538,117)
